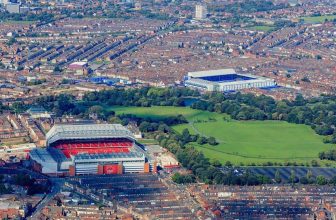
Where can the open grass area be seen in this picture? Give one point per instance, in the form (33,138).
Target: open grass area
(18,22)
(259,141)
(147,141)
(264,28)
(158,112)
(243,141)
(318,19)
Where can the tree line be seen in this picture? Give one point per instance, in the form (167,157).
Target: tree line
(97,102)
(200,166)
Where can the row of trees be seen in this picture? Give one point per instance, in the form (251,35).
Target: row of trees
(328,155)
(186,137)
(3,188)
(248,6)
(200,166)
(308,179)
(183,178)
(144,97)
(3,108)
(32,186)
(45,17)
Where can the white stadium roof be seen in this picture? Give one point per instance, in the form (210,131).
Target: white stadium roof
(115,157)
(87,131)
(211,73)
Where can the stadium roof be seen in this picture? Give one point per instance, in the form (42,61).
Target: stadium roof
(41,155)
(87,131)
(51,155)
(211,73)
(108,157)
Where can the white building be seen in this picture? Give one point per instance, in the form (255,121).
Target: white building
(225,80)
(4,2)
(200,12)
(13,7)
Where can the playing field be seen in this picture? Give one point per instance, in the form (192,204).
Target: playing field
(243,141)
(318,19)
(264,28)
(157,112)
(18,22)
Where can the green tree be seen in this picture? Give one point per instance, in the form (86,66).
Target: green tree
(201,140)
(57,69)
(212,141)
(333,180)
(304,180)
(277,177)
(292,177)
(186,135)
(216,163)
(309,174)
(321,180)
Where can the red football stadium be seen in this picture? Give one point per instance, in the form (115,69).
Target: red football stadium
(90,149)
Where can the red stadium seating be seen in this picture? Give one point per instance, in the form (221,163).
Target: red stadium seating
(98,147)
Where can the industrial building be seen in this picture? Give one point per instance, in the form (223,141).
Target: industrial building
(76,149)
(225,80)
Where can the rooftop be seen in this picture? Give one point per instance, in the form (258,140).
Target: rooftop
(87,131)
(81,157)
(41,154)
(212,73)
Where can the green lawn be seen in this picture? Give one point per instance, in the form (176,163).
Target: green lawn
(318,19)
(243,141)
(259,141)
(18,22)
(264,28)
(157,112)
(147,141)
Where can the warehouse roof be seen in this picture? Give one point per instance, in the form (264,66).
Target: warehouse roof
(87,131)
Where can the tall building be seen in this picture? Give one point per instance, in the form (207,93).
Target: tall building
(200,12)
(137,5)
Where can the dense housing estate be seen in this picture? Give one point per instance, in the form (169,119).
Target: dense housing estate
(72,72)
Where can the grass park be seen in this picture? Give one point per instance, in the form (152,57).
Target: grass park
(264,28)
(244,142)
(318,19)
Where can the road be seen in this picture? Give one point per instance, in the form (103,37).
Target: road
(57,184)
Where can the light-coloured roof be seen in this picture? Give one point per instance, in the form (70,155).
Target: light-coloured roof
(5,205)
(116,157)
(211,73)
(87,131)
(79,63)
(41,155)
(36,109)
(51,155)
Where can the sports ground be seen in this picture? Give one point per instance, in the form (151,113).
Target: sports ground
(244,142)
(318,19)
